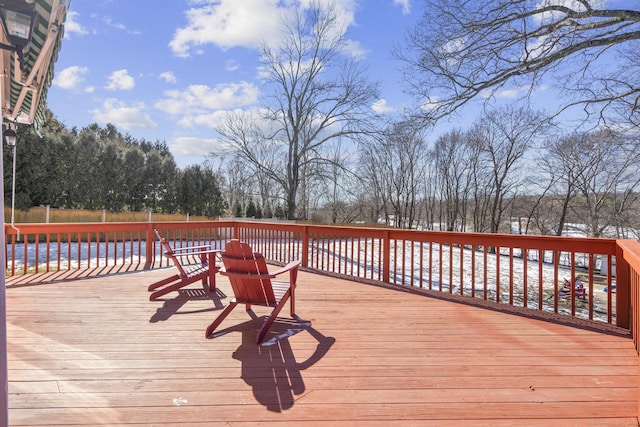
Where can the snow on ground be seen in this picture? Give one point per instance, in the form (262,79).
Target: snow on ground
(461,271)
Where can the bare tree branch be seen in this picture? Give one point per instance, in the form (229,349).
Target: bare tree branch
(462,49)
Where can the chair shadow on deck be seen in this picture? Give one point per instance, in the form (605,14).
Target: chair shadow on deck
(271,368)
(173,306)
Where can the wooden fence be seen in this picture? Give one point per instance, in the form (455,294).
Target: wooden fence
(46,214)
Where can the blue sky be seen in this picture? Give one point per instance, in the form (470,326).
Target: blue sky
(169,69)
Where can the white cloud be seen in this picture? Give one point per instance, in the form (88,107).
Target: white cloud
(202,99)
(431,103)
(209,119)
(72,26)
(120,80)
(70,77)
(381,107)
(231,65)
(168,77)
(123,116)
(192,146)
(487,93)
(120,27)
(354,48)
(509,93)
(244,23)
(405,5)
(553,15)
(113,24)
(512,92)
(227,23)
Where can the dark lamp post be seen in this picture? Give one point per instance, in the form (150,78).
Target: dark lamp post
(18,20)
(10,137)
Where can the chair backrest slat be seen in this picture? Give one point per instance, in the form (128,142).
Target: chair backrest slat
(238,258)
(170,253)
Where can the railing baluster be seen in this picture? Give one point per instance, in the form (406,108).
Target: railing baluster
(473,271)
(510,276)
(525,276)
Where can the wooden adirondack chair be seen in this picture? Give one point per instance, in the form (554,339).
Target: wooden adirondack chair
(579,290)
(252,284)
(193,263)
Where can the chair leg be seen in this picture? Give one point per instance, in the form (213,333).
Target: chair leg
(212,327)
(174,287)
(164,291)
(292,302)
(213,269)
(163,282)
(212,278)
(272,317)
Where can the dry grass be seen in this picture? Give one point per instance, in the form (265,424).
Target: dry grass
(38,215)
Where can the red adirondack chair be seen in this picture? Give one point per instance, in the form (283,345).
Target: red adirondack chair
(252,284)
(579,290)
(193,263)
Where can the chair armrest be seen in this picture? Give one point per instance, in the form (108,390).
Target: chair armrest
(187,254)
(291,266)
(246,275)
(192,248)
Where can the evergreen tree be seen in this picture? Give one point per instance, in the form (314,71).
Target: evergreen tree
(251,210)
(100,168)
(237,209)
(267,211)
(279,212)
(134,180)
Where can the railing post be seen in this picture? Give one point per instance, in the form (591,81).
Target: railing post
(623,289)
(236,230)
(386,256)
(305,246)
(149,242)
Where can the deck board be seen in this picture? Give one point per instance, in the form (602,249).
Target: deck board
(95,351)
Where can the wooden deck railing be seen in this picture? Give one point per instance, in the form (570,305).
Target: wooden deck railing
(520,271)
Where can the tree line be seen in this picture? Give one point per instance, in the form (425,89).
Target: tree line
(510,170)
(100,168)
(510,164)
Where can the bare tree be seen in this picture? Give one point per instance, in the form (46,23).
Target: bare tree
(341,187)
(561,164)
(607,178)
(539,209)
(239,187)
(252,159)
(503,137)
(394,167)
(317,93)
(429,202)
(451,157)
(483,187)
(590,178)
(461,49)
(373,197)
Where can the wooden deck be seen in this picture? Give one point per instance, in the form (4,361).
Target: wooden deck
(95,351)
